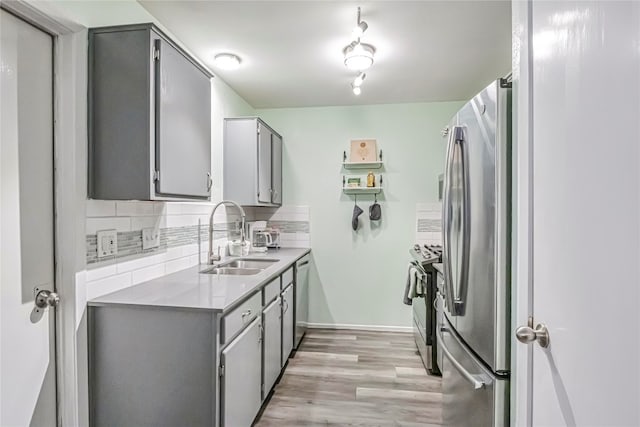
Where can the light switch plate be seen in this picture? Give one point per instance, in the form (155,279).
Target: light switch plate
(107,243)
(150,238)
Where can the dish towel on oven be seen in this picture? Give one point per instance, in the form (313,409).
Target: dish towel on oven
(410,287)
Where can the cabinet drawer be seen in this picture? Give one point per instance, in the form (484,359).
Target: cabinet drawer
(241,316)
(271,290)
(287,277)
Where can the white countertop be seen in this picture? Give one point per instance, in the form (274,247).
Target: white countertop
(189,289)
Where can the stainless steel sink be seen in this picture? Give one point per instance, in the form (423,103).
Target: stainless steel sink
(234,271)
(250,263)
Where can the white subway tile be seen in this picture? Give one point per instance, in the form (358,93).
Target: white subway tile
(173,253)
(189,249)
(147,273)
(99,208)
(100,272)
(288,237)
(160,208)
(135,264)
(134,208)
(140,222)
(428,206)
(181,220)
(110,284)
(121,224)
(178,264)
(173,208)
(300,217)
(430,237)
(197,208)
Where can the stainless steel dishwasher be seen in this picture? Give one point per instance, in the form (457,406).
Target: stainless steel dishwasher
(302,298)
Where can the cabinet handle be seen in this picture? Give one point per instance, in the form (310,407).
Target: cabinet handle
(286,308)
(209,181)
(261,328)
(245,314)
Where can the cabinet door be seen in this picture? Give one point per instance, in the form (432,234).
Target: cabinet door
(264,164)
(183,125)
(276,169)
(272,344)
(241,381)
(287,323)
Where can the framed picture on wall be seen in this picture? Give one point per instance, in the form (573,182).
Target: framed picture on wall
(363,151)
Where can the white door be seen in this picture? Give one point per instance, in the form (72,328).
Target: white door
(586,213)
(27,350)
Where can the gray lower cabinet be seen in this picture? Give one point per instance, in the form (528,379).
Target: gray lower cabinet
(253,162)
(272,345)
(241,378)
(288,308)
(149,117)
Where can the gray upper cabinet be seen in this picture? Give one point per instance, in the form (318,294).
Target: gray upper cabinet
(252,162)
(149,117)
(276,169)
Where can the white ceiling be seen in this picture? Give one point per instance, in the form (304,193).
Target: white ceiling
(292,50)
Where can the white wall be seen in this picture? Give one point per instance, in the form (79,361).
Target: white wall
(359,277)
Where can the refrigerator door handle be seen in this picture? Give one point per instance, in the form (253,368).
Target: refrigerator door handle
(478,381)
(446,223)
(463,282)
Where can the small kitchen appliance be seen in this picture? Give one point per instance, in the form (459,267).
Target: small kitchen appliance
(262,237)
(423,306)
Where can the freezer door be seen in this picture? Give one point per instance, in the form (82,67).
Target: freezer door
(471,394)
(480,280)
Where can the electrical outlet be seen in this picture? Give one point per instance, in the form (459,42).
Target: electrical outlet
(150,238)
(107,243)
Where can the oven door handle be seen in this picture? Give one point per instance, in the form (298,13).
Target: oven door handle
(478,381)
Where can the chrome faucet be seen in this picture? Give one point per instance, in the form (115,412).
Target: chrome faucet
(210,256)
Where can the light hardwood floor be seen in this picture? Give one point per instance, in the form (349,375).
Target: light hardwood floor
(361,378)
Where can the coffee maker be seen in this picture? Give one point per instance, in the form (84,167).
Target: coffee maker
(262,237)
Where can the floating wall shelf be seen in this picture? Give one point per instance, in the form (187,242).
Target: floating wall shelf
(359,165)
(362,190)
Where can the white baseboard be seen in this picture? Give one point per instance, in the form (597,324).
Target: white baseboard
(379,328)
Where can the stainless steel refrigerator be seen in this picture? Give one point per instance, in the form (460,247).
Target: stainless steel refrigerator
(473,333)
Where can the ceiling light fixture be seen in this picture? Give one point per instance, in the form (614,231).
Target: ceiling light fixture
(358,81)
(358,56)
(360,28)
(227,61)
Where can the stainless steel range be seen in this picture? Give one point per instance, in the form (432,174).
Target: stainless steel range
(424,313)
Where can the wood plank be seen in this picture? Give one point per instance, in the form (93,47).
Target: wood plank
(355,378)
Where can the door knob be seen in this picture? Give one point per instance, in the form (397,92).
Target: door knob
(45,298)
(526,335)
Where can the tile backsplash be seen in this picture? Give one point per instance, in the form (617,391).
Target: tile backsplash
(429,223)
(177,224)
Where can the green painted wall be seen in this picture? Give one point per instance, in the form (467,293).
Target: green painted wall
(359,276)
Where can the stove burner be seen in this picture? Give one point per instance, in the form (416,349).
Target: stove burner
(427,254)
